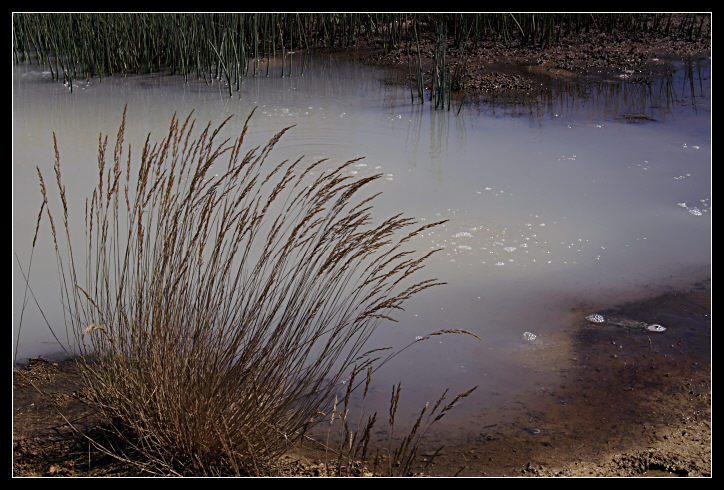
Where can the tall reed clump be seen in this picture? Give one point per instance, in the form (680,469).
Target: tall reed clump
(217,300)
(222,46)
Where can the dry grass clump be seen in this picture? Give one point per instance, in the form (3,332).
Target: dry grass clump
(213,314)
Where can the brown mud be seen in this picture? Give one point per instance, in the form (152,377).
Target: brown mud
(626,403)
(523,71)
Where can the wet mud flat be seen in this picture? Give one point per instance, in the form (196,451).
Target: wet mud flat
(625,402)
(494,67)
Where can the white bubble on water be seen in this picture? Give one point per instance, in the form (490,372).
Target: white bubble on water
(595,318)
(695,211)
(462,234)
(510,249)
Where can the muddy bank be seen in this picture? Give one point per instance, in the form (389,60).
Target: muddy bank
(496,67)
(627,403)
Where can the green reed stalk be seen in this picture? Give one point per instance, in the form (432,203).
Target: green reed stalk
(420,87)
(100,44)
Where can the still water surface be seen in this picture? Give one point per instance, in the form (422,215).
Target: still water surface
(552,205)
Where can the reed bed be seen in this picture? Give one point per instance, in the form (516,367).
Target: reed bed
(231,46)
(215,314)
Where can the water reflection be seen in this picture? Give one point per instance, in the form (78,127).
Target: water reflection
(657,97)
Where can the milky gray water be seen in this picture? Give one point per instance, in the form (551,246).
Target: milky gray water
(550,206)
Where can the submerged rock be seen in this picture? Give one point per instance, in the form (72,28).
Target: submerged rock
(624,322)
(655,327)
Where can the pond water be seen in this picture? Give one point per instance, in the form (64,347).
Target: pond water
(575,200)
